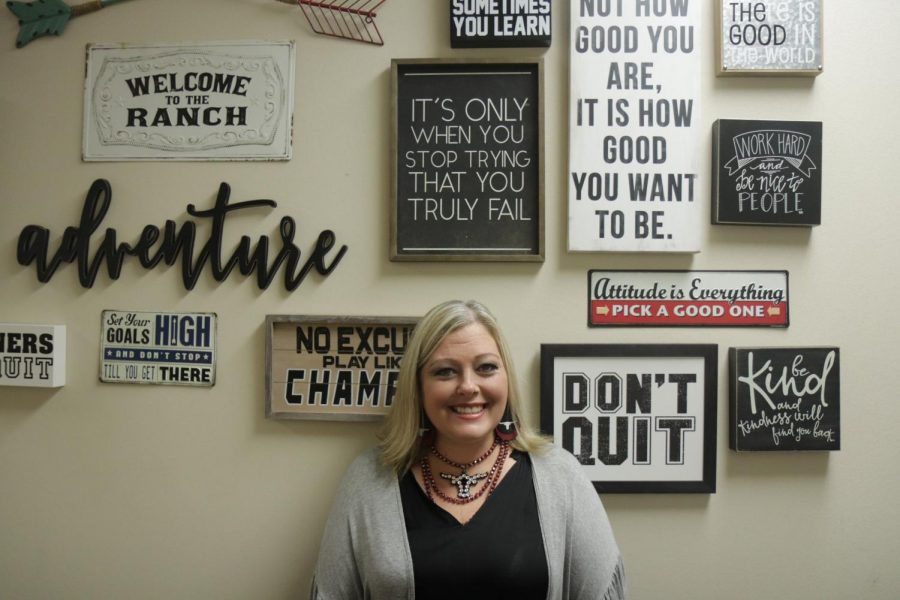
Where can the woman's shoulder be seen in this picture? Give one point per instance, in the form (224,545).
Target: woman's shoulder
(367,469)
(366,461)
(553,454)
(555,457)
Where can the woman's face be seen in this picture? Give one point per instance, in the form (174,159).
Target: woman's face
(464,387)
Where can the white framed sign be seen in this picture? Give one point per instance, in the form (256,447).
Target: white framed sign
(634,117)
(159,348)
(32,355)
(189,101)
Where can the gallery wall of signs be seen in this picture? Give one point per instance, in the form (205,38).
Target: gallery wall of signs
(468,176)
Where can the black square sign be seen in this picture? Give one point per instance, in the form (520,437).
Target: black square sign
(767,172)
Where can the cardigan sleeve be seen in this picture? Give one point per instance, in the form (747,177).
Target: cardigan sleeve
(585,562)
(596,566)
(336,576)
(364,553)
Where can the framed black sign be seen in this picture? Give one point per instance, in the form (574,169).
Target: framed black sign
(784,399)
(467,160)
(639,418)
(767,172)
(499,23)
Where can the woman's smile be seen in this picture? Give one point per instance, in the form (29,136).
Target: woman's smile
(476,410)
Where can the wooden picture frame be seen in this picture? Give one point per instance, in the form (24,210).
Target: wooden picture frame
(655,403)
(467,160)
(335,368)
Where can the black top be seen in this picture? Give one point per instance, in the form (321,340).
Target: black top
(498,554)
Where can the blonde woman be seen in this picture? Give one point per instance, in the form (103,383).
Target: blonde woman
(462,499)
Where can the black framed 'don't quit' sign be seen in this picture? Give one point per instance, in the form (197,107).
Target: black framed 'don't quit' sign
(767,172)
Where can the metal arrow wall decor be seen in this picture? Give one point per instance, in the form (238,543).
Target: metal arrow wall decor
(49,17)
(346,19)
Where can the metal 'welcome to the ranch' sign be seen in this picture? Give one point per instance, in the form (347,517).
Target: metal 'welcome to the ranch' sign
(197,101)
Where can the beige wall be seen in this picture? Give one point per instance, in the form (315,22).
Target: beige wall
(117,491)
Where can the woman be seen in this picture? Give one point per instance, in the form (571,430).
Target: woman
(461,499)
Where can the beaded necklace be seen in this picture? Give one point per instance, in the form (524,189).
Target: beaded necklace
(464,481)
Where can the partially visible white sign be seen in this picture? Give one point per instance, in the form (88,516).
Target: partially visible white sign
(162,348)
(634,127)
(32,355)
(190,101)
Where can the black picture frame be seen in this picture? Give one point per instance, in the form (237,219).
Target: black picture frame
(767,173)
(784,399)
(460,193)
(661,403)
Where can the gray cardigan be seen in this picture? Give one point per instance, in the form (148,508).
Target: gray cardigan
(365,552)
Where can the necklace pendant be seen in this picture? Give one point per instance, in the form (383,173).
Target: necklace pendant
(463,482)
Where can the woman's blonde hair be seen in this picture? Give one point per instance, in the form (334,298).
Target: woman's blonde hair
(400,441)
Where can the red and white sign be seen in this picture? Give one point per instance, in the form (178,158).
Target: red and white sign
(688,298)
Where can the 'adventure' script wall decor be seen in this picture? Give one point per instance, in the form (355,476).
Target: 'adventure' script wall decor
(173,244)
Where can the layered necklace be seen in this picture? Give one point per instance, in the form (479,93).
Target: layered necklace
(464,481)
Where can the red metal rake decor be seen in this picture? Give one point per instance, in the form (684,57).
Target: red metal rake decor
(347,19)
